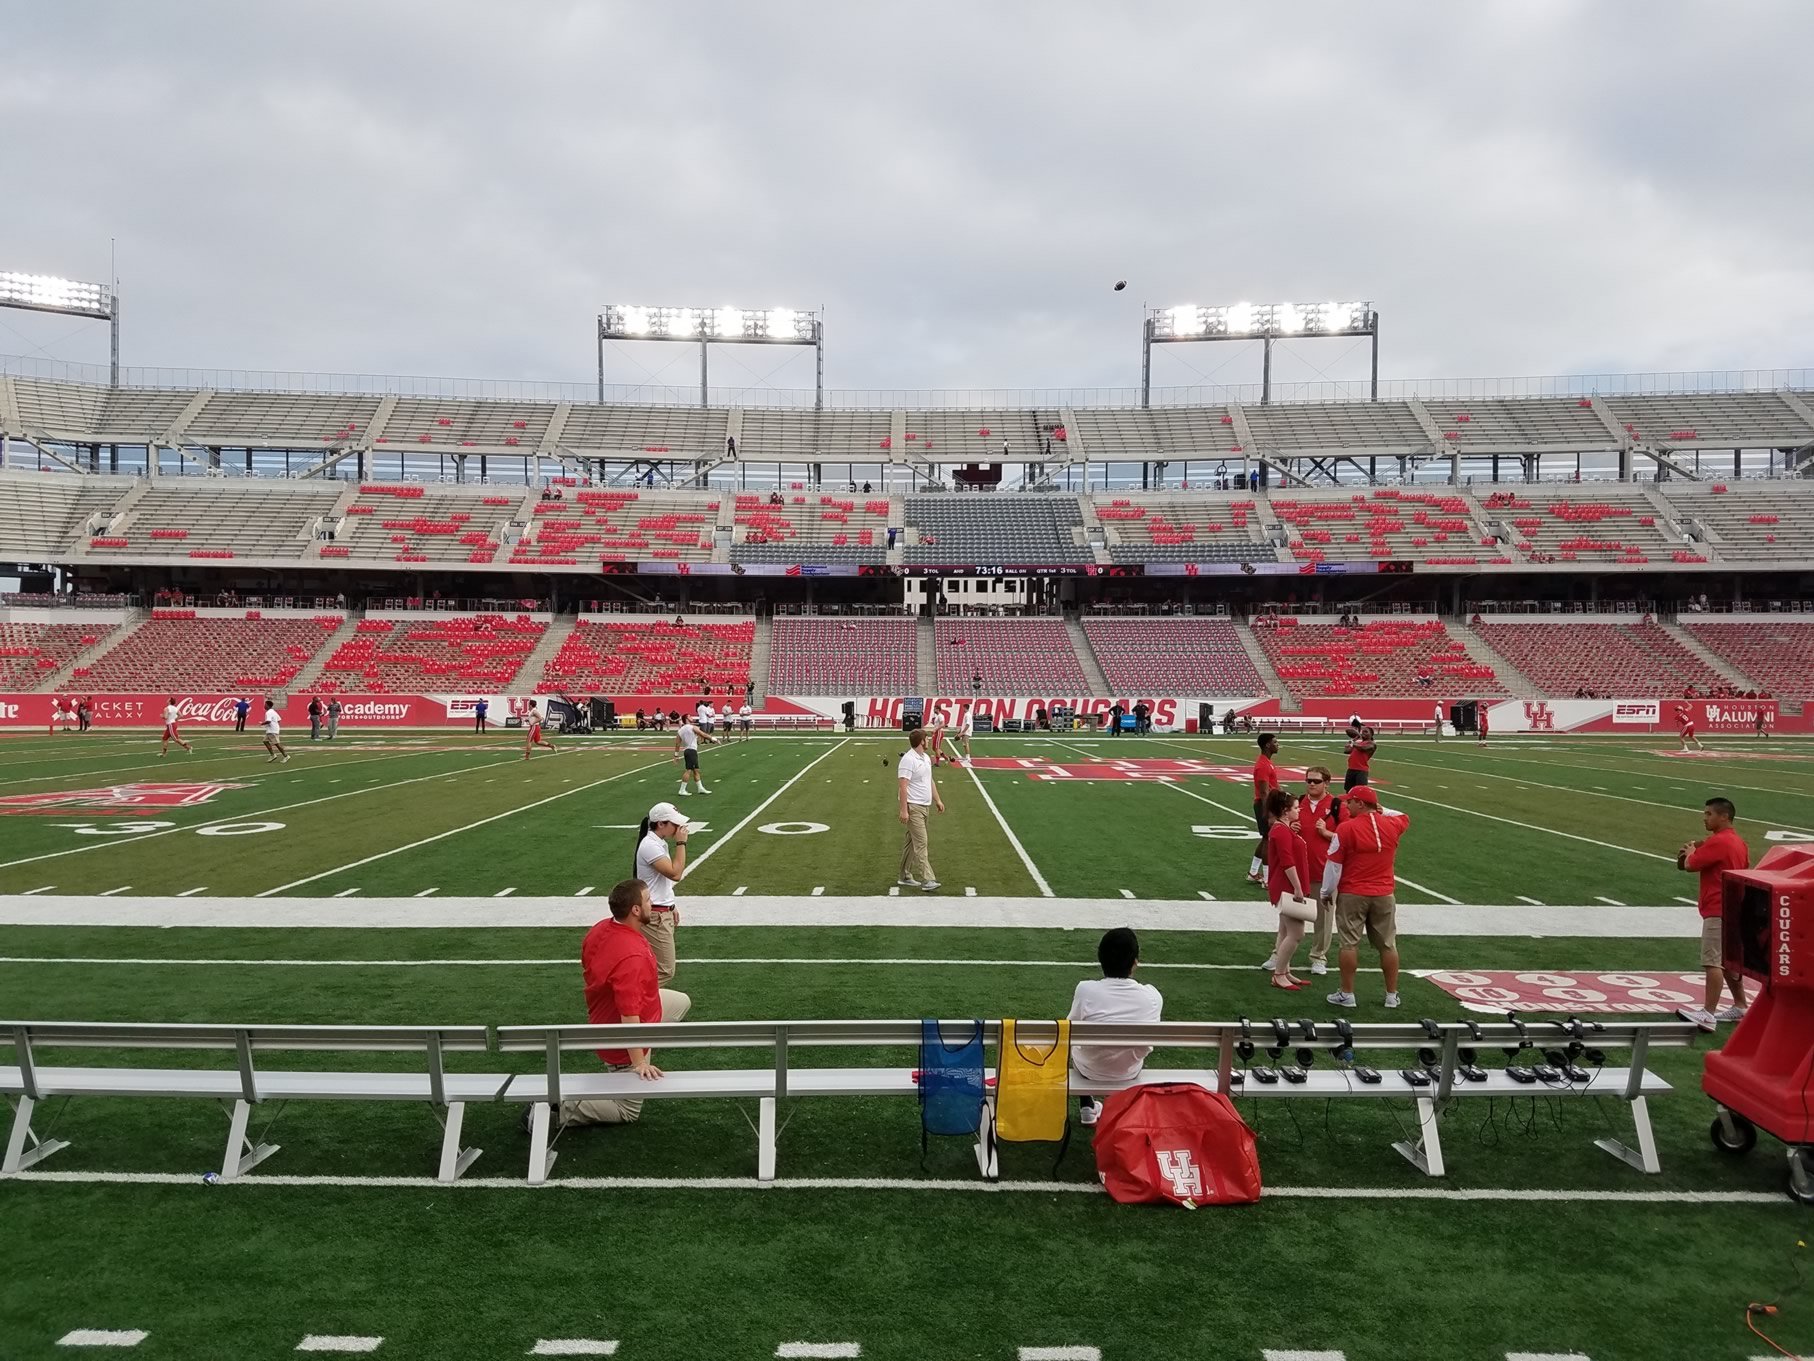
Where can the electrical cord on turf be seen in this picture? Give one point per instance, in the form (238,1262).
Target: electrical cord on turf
(1757,1309)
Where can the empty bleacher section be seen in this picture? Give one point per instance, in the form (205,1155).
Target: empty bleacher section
(203,518)
(31,653)
(978,435)
(810,527)
(182,651)
(684,431)
(1747,521)
(264,419)
(632,657)
(1034,529)
(806,436)
(1161,432)
(1430,526)
(589,524)
(832,656)
(1182,527)
(42,514)
(1610,523)
(1490,424)
(1384,656)
(428,655)
(1186,656)
(1622,660)
(98,414)
(470,425)
(1714,420)
(1351,427)
(412,522)
(1012,656)
(1774,652)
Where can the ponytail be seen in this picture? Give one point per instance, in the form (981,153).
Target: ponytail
(641,832)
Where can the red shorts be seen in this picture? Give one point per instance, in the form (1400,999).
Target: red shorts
(1687,731)
(535,734)
(169,731)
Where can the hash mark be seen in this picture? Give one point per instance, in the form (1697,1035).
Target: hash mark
(1610,902)
(346,893)
(740,890)
(425,893)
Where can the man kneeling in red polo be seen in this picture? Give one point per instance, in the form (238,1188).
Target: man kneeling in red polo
(619,969)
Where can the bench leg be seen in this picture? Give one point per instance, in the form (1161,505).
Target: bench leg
(1644,1157)
(986,1161)
(18,1156)
(242,1155)
(765,1139)
(1426,1154)
(454,1159)
(541,1157)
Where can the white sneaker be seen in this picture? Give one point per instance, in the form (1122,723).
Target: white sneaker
(908,883)
(1391,1002)
(1699,1016)
(685,792)
(704,790)
(1727,1014)
(1317,966)
(1271,965)
(929,886)
(1342,999)
(1090,1114)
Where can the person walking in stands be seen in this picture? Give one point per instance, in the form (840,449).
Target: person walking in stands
(918,794)
(659,869)
(1316,824)
(478,714)
(1114,997)
(1722,849)
(1363,863)
(241,707)
(1360,751)
(315,719)
(1265,780)
(170,732)
(686,751)
(333,717)
(1287,872)
(622,989)
(274,734)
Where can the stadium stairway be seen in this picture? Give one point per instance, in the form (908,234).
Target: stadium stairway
(1517,684)
(65,678)
(1723,668)
(925,657)
(1263,664)
(1086,656)
(762,651)
(306,678)
(559,629)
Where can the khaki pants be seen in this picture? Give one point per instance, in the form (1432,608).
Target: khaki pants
(659,932)
(623,1110)
(1321,932)
(916,862)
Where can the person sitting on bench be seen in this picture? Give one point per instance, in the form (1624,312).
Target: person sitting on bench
(1113,997)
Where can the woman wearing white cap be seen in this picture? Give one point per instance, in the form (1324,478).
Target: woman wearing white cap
(661,869)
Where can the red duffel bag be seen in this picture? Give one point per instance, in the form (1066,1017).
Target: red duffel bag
(1176,1142)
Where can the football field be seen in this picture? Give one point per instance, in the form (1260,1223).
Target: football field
(442,879)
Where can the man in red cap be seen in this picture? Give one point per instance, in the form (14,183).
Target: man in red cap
(1366,849)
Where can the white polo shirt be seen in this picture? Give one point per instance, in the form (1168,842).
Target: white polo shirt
(916,770)
(661,888)
(1112,999)
(273,724)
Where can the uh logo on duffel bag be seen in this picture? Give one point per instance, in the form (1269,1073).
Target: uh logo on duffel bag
(1177,1167)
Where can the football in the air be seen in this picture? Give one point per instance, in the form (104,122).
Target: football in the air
(1120,284)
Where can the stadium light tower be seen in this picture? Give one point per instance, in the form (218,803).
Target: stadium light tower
(714,325)
(47,293)
(1264,322)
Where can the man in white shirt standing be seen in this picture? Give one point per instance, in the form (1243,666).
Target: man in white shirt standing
(686,751)
(1113,997)
(170,732)
(918,796)
(708,717)
(743,720)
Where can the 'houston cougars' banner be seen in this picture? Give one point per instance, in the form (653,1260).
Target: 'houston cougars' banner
(1628,716)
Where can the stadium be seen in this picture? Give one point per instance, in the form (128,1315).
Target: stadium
(336,707)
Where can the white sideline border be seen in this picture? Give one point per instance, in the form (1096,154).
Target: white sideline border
(1085,914)
(1511,1194)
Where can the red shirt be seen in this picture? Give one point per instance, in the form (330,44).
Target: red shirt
(619,969)
(1285,848)
(1309,811)
(1682,718)
(1481,715)
(1724,850)
(1265,776)
(1359,757)
(1367,848)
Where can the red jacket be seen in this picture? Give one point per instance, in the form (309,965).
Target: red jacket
(1366,848)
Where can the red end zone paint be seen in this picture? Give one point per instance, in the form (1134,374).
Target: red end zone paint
(1564,992)
(114,800)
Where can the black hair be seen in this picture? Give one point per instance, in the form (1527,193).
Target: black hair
(625,895)
(1264,738)
(1278,802)
(1117,951)
(641,832)
(1723,805)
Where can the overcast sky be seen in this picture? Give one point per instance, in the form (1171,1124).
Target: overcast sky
(1532,187)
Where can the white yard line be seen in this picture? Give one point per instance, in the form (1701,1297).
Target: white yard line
(1045,889)
(971,1185)
(819,1351)
(452,831)
(573,1346)
(1061,1354)
(103,1337)
(338,1342)
(723,841)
